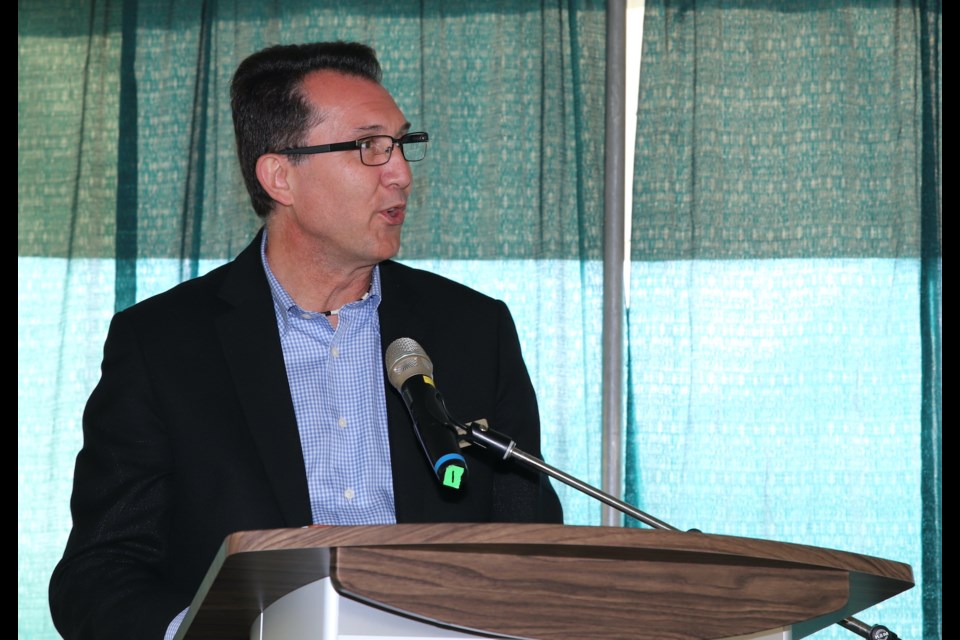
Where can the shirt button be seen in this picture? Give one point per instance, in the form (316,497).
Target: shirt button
(348,493)
(335,352)
(305,316)
(342,423)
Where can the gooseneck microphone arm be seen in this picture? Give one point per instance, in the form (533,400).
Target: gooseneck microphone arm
(483,436)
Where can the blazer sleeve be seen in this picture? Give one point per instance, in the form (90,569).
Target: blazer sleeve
(110,582)
(523,495)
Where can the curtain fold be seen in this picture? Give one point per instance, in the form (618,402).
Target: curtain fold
(784,300)
(128,184)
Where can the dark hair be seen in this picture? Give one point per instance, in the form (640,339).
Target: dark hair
(271,113)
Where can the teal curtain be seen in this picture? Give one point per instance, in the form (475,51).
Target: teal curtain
(784,313)
(127,185)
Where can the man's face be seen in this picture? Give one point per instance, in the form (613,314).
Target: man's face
(348,212)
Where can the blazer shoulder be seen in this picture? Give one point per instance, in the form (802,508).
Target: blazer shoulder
(402,280)
(188,300)
(231,284)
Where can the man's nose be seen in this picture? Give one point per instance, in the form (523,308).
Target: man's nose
(396,172)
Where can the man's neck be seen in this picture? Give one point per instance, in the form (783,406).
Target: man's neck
(312,280)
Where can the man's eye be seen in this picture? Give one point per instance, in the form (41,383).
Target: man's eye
(376,145)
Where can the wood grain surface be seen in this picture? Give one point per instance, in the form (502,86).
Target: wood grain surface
(549,581)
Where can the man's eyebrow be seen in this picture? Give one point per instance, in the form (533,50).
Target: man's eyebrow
(373,129)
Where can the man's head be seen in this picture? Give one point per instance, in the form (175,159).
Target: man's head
(271,111)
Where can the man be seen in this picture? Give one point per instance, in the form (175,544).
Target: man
(254,397)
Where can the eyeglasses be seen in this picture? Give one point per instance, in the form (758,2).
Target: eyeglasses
(374,150)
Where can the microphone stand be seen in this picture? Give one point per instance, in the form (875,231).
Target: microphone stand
(483,436)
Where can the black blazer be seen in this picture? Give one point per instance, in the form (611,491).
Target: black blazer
(191,435)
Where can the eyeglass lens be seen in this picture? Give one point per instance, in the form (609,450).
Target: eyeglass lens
(376,150)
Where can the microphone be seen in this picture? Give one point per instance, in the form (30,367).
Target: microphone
(410,372)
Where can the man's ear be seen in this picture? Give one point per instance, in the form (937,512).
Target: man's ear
(272,171)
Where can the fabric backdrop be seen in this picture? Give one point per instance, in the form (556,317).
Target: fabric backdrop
(784,318)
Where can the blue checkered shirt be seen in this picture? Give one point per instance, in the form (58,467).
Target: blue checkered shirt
(336,381)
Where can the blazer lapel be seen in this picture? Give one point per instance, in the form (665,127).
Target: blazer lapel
(251,346)
(413,484)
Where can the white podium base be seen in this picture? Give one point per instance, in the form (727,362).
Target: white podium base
(317,611)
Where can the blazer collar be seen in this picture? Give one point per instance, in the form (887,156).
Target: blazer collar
(251,346)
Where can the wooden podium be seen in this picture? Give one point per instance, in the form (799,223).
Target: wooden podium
(547,581)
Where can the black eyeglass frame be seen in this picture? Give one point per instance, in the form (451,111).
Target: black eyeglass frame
(416,137)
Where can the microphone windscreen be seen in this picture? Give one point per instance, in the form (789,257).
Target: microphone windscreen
(404,359)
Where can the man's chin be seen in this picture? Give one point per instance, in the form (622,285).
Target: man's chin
(388,251)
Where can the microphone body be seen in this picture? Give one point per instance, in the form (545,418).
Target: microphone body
(410,372)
